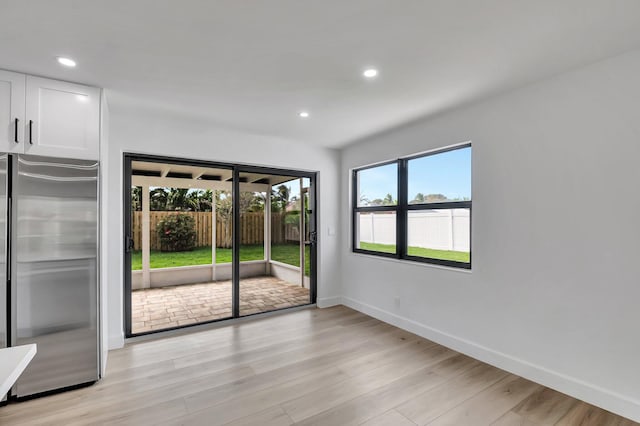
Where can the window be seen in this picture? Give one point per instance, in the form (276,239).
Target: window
(376,192)
(416,208)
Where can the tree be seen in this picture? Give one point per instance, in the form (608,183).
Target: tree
(200,200)
(178,199)
(389,201)
(158,199)
(280,198)
(435,198)
(224,215)
(252,202)
(386,201)
(136,198)
(419,198)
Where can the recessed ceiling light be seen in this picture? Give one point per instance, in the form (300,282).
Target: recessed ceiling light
(67,62)
(303,114)
(370,73)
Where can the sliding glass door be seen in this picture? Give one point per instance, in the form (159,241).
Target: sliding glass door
(274,242)
(208,241)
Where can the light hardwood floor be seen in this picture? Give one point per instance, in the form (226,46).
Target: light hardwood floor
(312,367)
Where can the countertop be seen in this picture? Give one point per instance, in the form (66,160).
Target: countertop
(13,362)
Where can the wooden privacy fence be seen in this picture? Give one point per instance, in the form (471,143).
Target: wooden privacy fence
(251,225)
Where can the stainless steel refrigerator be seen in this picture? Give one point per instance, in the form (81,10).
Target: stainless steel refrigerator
(49,275)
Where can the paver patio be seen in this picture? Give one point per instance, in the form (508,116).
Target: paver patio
(173,306)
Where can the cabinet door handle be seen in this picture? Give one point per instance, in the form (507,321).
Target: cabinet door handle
(30,132)
(15,131)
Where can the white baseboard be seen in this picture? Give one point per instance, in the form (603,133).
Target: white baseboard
(327,302)
(116,341)
(593,394)
(103,364)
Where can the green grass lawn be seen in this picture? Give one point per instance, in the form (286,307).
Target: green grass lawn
(289,254)
(285,253)
(457,256)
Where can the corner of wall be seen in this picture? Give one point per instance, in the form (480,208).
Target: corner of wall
(577,388)
(327,302)
(116,341)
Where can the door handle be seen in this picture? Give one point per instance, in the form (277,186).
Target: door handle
(313,237)
(30,132)
(129,245)
(15,131)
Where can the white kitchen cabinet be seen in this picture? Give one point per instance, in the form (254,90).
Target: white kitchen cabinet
(12,110)
(62,119)
(48,117)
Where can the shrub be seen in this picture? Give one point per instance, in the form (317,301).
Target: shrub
(177,233)
(292,217)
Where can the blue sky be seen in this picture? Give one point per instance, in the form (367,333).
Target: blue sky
(377,182)
(448,173)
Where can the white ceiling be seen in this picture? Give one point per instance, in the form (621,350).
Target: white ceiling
(253,64)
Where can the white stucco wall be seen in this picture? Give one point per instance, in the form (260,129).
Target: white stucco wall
(554,289)
(151,132)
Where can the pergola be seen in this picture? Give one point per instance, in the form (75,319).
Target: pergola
(148,175)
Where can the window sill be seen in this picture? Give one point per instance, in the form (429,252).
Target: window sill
(410,262)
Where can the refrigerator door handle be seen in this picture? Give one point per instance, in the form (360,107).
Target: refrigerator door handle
(8,237)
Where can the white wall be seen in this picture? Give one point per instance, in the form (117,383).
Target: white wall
(143,131)
(552,300)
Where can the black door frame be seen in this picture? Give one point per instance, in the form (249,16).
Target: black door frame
(236,169)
